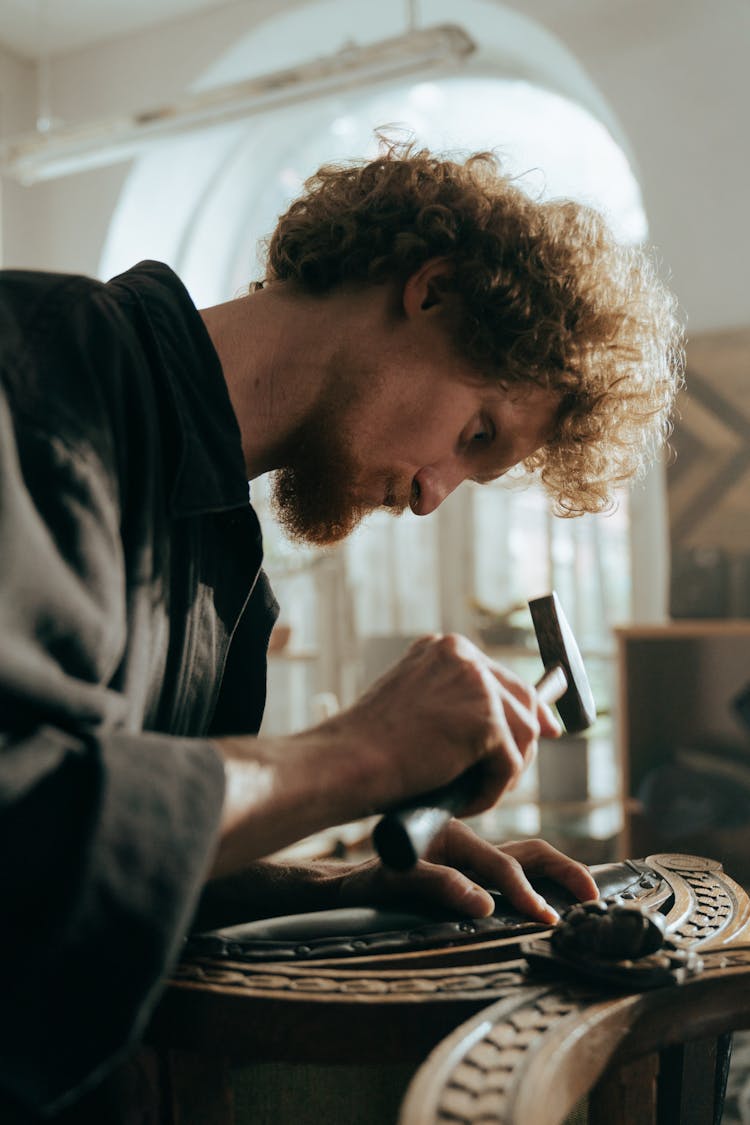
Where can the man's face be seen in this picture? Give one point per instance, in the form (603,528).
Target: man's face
(400,421)
(401,430)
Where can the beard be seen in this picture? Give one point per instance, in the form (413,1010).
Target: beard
(318,495)
(312,503)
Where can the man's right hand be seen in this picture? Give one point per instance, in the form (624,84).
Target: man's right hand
(441,709)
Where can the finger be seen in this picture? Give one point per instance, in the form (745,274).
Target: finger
(527,715)
(502,761)
(523,723)
(507,732)
(509,877)
(539,858)
(528,697)
(529,759)
(497,868)
(426,884)
(423,642)
(437,885)
(515,722)
(550,725)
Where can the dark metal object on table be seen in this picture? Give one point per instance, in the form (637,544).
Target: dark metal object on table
(404,834)
(622,945)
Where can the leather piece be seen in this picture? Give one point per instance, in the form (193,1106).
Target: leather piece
(355,931)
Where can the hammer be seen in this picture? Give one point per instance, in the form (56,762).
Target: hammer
(405,833)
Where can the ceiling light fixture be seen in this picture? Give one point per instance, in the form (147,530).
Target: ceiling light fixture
(62,150)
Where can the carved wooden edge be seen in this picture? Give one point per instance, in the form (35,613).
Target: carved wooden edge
(474,1073)
(502,1064)
(474,971)
(710,909)
(311,983)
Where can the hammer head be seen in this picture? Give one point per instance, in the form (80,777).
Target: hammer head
(557,645)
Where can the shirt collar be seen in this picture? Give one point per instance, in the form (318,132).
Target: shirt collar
(209,470)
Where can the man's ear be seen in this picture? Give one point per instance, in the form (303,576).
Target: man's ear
(426,288)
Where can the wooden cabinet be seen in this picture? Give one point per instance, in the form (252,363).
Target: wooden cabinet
(675,705)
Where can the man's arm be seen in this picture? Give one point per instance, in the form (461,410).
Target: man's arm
(444,707)
(106,834)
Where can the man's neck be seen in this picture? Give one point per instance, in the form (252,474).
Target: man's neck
(273,347)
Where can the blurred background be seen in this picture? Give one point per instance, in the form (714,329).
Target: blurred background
(179,130)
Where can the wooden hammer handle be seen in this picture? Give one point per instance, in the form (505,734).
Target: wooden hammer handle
(403,835)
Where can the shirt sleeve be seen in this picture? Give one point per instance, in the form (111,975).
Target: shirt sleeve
(106,833)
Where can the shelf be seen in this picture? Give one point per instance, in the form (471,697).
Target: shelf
(294,654)
(692,627)
(677,686)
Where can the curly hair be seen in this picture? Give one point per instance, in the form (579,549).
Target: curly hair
(547,296)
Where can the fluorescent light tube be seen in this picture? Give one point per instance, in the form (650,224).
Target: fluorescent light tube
(42,156)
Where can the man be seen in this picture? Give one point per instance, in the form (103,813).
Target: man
(422,322)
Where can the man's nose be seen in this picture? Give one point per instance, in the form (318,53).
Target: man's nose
(434,483)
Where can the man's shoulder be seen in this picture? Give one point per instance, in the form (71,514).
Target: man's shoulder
(71,348)
(152,283)
(28,294)
(44,313)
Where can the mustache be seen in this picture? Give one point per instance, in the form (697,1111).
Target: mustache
(397,496)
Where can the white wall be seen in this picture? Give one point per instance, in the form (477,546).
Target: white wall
(674,73)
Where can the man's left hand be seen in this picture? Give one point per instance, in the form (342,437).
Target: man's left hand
(457,863)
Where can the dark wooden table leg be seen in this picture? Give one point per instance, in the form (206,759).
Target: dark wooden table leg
(627,1094)
(688,1083)
(723,1060)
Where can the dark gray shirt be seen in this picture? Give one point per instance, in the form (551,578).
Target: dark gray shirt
(134,620)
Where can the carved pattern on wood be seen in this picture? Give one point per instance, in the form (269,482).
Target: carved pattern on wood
(346,984)
(496,1066)
(709,906)
(482,1082)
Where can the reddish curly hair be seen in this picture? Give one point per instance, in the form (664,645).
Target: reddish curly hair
(547,295)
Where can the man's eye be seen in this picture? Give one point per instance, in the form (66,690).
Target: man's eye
(483,434)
